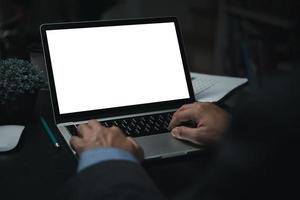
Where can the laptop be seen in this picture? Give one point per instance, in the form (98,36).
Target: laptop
(129,73)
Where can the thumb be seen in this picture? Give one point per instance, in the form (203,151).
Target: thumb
(76,144)
(186,133)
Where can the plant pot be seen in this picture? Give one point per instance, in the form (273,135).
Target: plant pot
(19,111)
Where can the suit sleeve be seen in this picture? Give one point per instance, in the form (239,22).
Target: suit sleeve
(113,179)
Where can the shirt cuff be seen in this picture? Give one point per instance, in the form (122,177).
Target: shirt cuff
(97,155)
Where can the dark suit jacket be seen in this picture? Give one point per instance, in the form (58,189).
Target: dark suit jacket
(257,159)
(259,155)
(112,180)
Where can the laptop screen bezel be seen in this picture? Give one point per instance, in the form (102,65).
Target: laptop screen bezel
(117,111)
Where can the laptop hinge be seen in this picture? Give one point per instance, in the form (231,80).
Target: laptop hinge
(119,117)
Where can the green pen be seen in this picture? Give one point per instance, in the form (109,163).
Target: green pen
(49,132)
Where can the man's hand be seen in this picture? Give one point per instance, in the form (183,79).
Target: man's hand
(211,122)
(93,135)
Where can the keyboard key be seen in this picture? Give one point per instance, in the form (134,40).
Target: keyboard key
(138,127)
(160,120)
(129,129)
(148,126)
(115,123)
(142,123)
(132,124)
(105,124)
(137,131)
(124,121)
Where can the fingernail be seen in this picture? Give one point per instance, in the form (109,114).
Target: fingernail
(174,132)
(169,127)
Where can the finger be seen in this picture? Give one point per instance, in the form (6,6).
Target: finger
(76,144)
(116,129)
(186,106)
(94,124)
(112,134)
(139,149)
(188,134)
(83,129)
(182,116)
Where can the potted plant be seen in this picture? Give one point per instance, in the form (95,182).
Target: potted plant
(20,82)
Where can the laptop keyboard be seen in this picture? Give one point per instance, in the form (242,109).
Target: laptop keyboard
(137,126)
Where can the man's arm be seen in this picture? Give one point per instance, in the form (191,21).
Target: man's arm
(114,179)
(108,166)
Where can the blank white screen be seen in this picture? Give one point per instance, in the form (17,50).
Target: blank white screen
(106,67)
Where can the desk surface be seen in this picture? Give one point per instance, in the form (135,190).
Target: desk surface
(35,169)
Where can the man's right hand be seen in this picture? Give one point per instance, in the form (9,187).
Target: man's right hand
(94,135)
(211,120)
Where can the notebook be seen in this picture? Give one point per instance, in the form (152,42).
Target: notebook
(90,65)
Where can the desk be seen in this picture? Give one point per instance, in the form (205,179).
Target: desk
(35,169)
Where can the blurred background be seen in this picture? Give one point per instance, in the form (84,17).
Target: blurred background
(249,38)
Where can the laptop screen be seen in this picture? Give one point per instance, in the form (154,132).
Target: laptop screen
(114,66)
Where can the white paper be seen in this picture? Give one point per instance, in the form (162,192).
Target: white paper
(223,85)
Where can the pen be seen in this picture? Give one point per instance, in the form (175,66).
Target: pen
(49,132)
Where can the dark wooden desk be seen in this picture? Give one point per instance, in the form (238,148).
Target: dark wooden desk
(35,169)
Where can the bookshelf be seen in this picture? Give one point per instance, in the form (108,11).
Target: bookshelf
(256,39)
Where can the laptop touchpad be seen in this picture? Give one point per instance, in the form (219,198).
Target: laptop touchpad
(165,145)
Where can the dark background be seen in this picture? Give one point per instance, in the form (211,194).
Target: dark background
(251,38)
